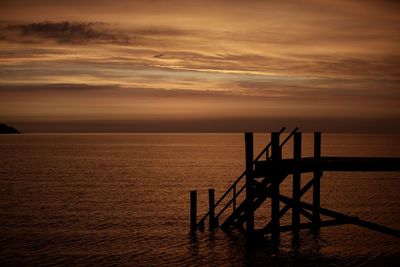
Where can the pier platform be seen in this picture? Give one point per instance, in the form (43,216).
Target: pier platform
(331,164)
(261,180)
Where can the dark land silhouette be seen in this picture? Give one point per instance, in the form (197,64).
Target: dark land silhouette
(5,129)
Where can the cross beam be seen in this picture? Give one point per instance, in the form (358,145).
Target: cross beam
(339,219)
(335,164)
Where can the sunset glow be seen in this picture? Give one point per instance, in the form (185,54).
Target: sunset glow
(219,63)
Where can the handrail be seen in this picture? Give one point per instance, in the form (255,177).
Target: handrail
(288,137)
(237,181)
(244,172)
(267,147)
(230,201)
(241,189)
(242,175)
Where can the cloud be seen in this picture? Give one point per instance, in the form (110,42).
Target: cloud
(67,32)
(133,92)
(145,59)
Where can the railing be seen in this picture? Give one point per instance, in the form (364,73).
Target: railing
(233,186)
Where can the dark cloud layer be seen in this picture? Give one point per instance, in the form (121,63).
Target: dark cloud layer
(71,32)
(67,32)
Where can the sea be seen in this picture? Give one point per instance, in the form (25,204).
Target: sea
(123,200)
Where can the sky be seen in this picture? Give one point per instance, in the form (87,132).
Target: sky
(176,65)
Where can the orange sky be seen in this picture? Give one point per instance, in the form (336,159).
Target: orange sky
(333,65)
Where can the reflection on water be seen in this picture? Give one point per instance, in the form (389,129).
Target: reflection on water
(123,199)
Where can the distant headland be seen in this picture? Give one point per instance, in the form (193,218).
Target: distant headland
(5,129)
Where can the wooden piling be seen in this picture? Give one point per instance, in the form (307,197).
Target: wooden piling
(276,156)
(296,190)
(193,210)
(249,183)
(317,183)
(211,207)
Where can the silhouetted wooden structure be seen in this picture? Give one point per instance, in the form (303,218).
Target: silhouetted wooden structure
(264,177)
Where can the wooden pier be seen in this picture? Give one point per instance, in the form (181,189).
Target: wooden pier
(265,173)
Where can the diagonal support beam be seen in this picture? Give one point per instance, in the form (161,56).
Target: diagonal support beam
(302,211)
(306,214)
(348,219)
(339,218)
(288,205)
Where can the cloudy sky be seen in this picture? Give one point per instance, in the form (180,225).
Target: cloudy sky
(175,65)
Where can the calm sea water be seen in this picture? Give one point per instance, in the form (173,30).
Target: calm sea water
(122,199)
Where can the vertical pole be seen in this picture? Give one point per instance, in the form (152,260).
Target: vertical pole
(316,182)
(193,210)
(276,156)
(211,208)
(249,184)
(234,198)
(296,183)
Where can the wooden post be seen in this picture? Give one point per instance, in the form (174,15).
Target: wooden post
(296,190)
(193,210)
(234,198)
(316,182)
(211,208)
(249,184)
(276,155)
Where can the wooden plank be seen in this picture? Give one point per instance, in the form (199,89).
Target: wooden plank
(296,185)
(193,210)
(249,184)
(333,164)
(316,182)
(275,181)
(375,227)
